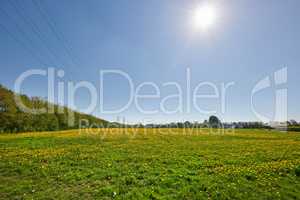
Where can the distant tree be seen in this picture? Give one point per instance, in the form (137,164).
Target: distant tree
(187,124)
(180,125)
(214,122)
(293,122)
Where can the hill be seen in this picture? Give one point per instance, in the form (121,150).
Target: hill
(13,119)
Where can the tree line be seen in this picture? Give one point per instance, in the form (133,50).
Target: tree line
(212,122)
(13,119)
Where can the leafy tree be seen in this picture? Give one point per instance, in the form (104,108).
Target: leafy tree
(13,119)
(214,122)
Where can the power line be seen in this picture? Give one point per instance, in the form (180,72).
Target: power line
(55,31)
(21,43)
(34,28)
(29,50)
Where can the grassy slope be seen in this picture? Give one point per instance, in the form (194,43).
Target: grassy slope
(245,164)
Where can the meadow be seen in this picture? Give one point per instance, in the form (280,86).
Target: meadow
(150,164)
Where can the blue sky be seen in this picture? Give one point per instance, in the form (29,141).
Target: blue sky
(153,41)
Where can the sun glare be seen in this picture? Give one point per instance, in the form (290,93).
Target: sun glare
(204,16)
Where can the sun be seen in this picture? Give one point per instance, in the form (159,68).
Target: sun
(204,16)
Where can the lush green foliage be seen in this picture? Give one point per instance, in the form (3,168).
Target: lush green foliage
(12,119)
(294,128)
(214,122)
(150,164)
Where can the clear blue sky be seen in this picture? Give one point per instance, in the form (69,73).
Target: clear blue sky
(153,41)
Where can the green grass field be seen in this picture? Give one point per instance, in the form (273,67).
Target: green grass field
(193,164)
